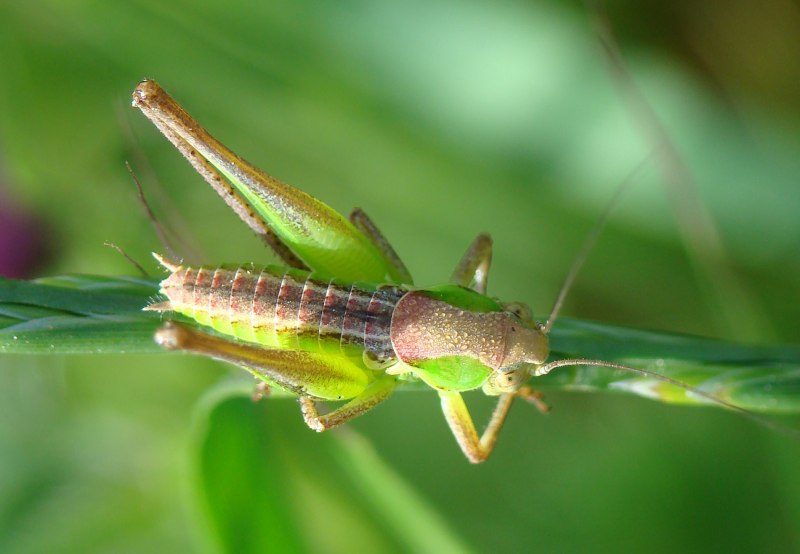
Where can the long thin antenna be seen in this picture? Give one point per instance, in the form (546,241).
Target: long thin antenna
(172,220)
(589,243)
(727,295)
(547,368)
(162,235)
(127,257)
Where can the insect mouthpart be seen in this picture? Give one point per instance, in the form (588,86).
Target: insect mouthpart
(502,382)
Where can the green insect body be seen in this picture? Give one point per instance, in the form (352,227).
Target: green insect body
(450,337)
(342,320)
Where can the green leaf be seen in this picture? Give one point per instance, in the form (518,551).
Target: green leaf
(416,525)
(268,484)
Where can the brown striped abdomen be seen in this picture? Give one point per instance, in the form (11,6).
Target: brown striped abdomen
(287,308)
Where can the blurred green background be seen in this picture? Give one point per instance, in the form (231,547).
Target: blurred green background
(441,119)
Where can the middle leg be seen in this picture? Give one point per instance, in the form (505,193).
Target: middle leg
(373,395)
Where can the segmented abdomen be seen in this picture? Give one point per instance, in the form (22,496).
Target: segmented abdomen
(291,308)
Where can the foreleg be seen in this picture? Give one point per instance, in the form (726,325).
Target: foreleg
(475,448)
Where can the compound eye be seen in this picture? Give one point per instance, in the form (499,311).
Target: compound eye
(511,379)
(505,381)
(519,309)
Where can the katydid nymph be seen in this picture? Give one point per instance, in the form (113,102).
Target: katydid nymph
(341,320)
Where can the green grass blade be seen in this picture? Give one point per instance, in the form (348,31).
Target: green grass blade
(266,484)
(84,314)
(755,377)
(415,524)
(76,315)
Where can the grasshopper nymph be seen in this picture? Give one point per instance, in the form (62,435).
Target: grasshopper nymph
(341,319)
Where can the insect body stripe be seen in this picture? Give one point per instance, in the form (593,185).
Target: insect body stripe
(187,289)
(200,295)
(219,301)
(377,339)
(311,304)
(287,308)
(333,311)
(355,317)
(241,303)
(262,308)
